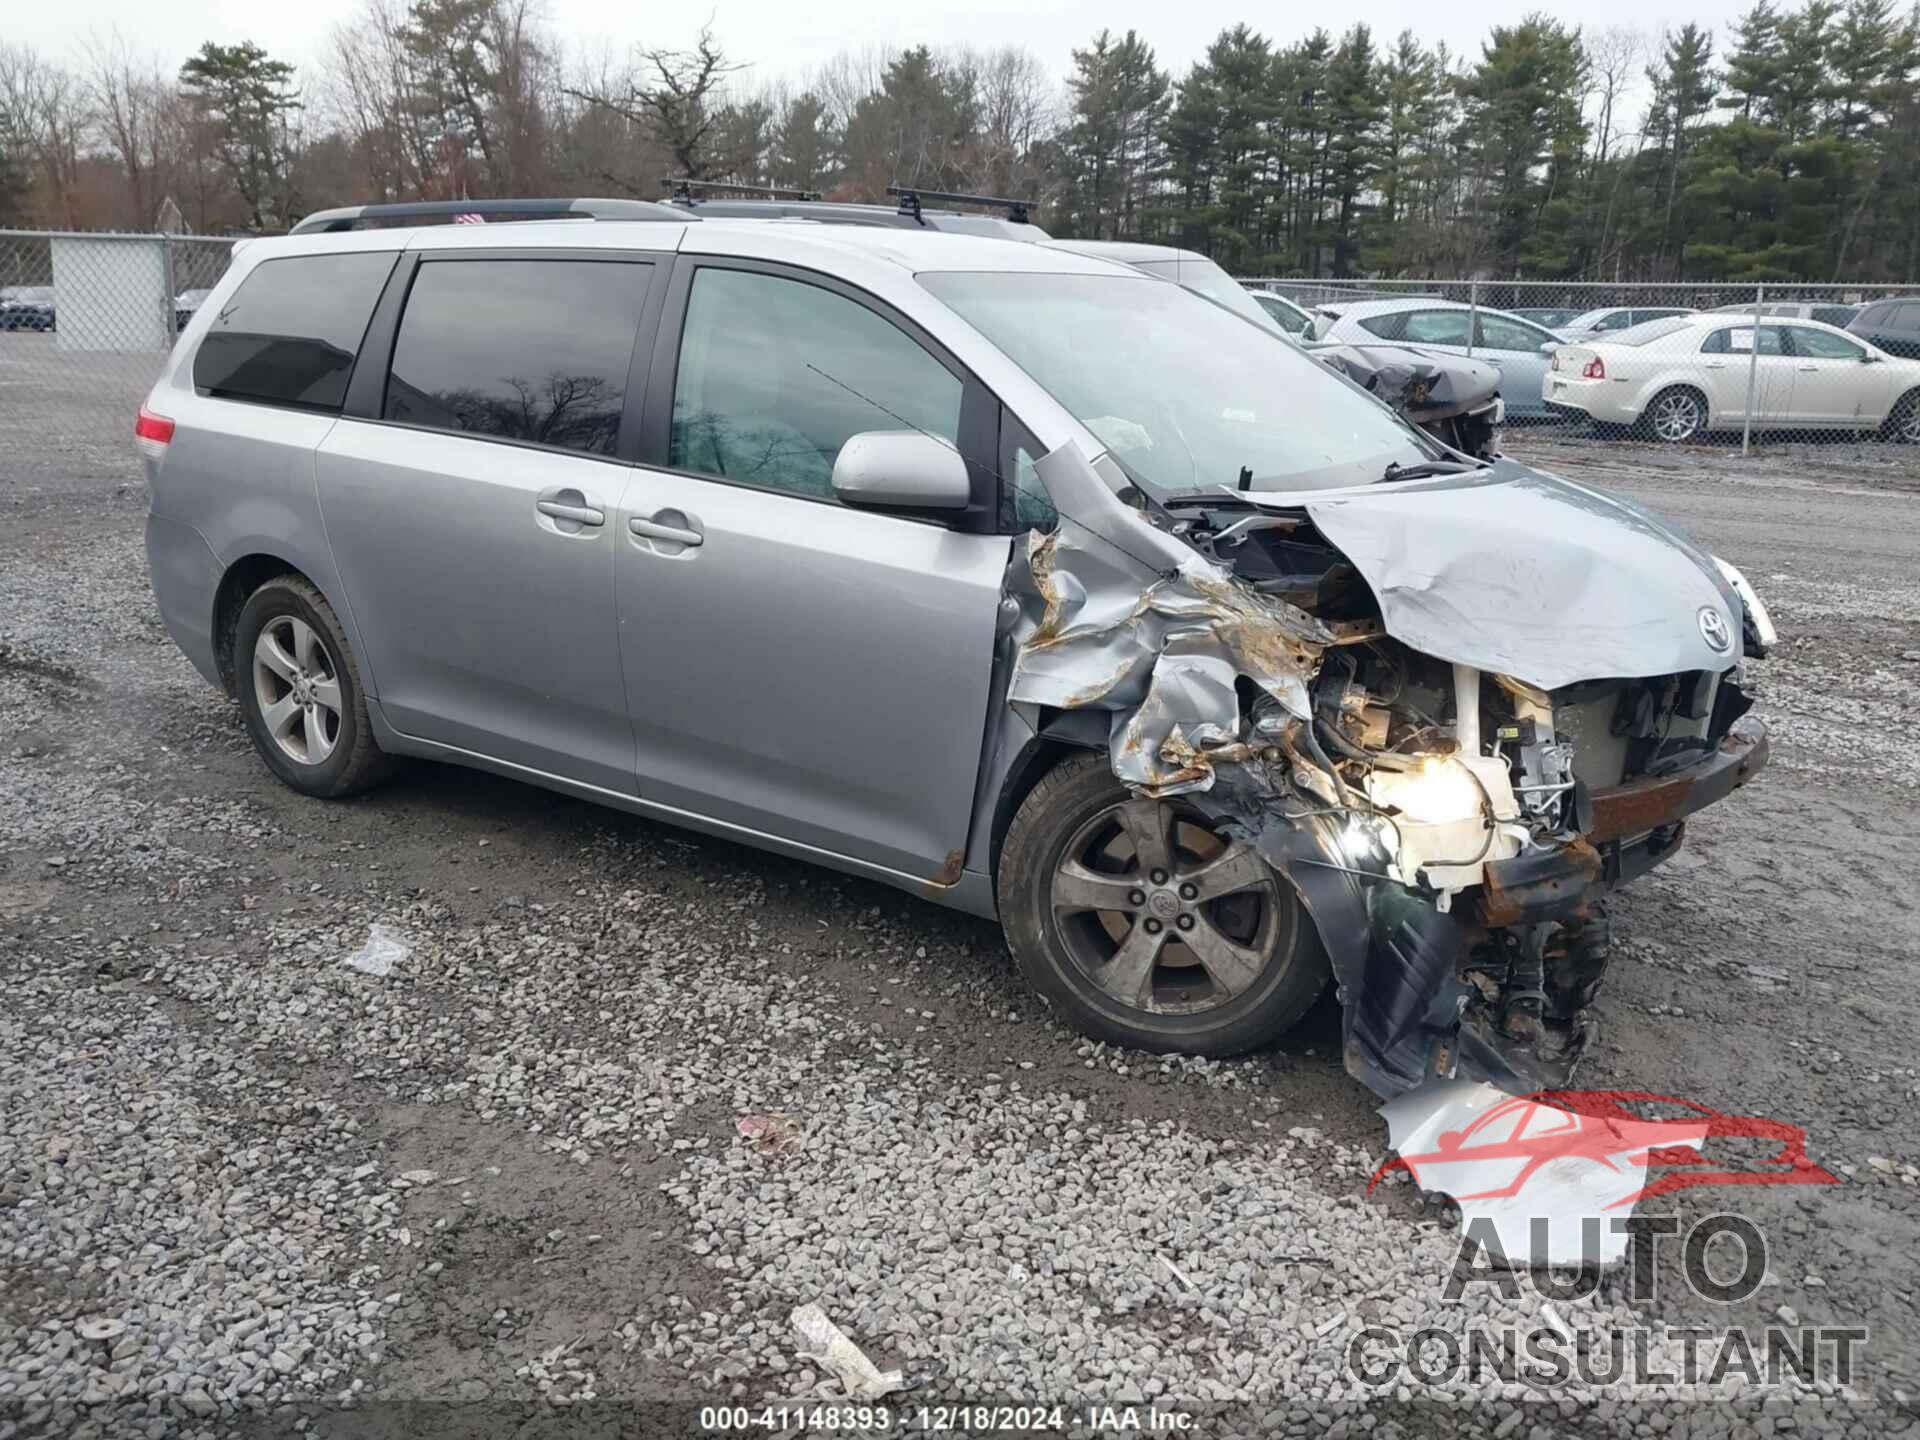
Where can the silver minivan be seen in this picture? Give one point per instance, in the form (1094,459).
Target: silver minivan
(1005,575)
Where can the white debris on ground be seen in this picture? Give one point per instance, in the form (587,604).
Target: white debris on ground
(826,1344)
(383,950)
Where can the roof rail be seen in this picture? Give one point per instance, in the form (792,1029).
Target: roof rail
(683,189)
(348,216)
(911,198)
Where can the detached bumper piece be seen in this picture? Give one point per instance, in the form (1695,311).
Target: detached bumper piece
(1499,991)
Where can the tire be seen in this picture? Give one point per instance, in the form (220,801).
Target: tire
(1903,421)
(1218,974)
(1675,416)
(289,647)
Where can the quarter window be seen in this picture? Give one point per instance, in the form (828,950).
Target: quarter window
(775,375)
(530,350)
(289,334)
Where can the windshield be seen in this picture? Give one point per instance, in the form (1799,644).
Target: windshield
(1184,393)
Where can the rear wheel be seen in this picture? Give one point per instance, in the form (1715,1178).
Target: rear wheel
(1146,927)
(301,692)
(1675,416)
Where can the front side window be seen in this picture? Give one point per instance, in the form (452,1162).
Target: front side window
(1497,332)
(289,334)
(535,351)
(1183,394)
(1819,345)
(775,375)
(1618,320)
(1436,327)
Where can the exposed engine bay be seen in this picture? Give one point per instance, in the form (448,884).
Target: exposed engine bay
(1450,782)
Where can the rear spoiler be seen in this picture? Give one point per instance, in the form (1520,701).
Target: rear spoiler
(349,216)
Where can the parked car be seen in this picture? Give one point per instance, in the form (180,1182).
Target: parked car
(1292,318)
(26,307)
(711,521)
(185,303)
(1455,400)
(1840,315)
(1890,325)
(1545,317)
(1515,347)
(1598,324)
(1677,378)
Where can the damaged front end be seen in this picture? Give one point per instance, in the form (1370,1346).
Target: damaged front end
(1451,713)
(1455,400)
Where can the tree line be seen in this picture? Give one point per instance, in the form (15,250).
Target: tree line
(1787,149)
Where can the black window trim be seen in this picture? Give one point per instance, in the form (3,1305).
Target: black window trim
(979,430)
(367,387)
(395,265)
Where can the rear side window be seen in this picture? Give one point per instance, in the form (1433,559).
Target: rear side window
(1387,327)
(535,351)
(288,335)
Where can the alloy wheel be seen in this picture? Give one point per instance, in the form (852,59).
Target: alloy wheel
(1676,416)
(1164,915)
(297,685)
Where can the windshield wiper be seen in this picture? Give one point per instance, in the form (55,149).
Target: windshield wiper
(1396,471)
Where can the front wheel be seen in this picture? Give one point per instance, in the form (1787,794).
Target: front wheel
(1144,926)
(1903,421)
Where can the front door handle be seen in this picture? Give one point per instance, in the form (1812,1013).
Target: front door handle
(580,514)
(1809,369)
(672,534)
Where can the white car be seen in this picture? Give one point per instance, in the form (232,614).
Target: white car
(1603,323)
(1515,347)
(1679,377)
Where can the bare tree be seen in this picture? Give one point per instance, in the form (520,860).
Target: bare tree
(674,96)
(46,108)
(129,100)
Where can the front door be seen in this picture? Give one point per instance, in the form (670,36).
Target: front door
(1833,384)
(796,667)
(474,523)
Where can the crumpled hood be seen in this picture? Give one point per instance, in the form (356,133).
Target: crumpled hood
(1523,573)
(1430,384)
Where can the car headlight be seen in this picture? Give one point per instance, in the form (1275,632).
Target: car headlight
(1761,636)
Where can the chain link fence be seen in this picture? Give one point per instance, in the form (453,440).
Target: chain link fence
(1710,364)
(86,321)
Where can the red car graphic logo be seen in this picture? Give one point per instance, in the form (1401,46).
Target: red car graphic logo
(1538,1140)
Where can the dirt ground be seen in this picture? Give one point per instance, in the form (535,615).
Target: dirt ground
(172,921)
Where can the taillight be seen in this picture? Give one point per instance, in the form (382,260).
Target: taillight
(152,434)
(1596,369)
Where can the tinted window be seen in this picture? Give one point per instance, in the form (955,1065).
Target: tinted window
(1907,317)
(1819,345)
(1499,333)
(1618,320)
(288,335)
(1437,327)
(1388,327)
(776,375)
(1833,314)
(529,350)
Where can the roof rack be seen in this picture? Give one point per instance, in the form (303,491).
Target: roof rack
(683,190)
(348,216)
(912,197)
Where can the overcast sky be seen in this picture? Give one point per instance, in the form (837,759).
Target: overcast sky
(785,37)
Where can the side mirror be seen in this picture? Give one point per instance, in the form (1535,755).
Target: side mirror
(900,470)
(1869,358)
(1547,347)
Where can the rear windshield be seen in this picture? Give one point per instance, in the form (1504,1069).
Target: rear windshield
(289,334)
(1647,331)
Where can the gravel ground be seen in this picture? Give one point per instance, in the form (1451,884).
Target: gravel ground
(243,1183)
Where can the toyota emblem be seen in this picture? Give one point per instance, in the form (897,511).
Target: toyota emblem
(1713,629)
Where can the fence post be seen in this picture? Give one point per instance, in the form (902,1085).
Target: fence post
(1753,367)
(170,330)
(1473,314)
